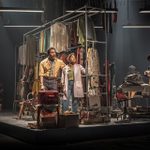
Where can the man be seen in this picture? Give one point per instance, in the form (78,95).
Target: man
(133,82)
(49,70)
(147,72)
(133,77)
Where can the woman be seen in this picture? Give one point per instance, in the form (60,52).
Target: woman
(72,84)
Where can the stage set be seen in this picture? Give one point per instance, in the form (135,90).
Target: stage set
(65,88)
(19,129)
(41,119)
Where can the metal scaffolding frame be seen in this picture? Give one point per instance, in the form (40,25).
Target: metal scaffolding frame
(73,15)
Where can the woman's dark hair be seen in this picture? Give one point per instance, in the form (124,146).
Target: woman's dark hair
(68,57)
(148,57)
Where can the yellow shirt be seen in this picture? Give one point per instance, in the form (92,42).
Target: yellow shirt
(50,69)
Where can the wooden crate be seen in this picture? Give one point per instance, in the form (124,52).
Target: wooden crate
(48,120)
(68,120)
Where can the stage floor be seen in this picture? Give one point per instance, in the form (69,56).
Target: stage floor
(10,125)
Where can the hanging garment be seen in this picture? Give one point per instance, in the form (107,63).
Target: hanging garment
(26,82)
(36,83)
(20,70)
(59,37)
(47,39)
(81,30)
(31,50)
(44,40)
(63,57)
(93,72)
(22,50)
(44,45)
(72,30)
(41,42)
(80,56)
(94,102)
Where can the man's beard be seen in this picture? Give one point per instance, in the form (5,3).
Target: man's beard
(51,58)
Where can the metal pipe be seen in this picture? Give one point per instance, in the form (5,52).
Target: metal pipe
(86,65)
(100,42)
(73,17)
(106,64)
(93,11)
(59,18)
(48,23)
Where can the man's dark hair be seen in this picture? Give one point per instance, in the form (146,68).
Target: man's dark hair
(51,48)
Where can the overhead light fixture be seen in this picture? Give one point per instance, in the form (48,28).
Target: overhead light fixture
(98,27)
(21,10)
(136,26)
(146,8)
(92,11)
(144,11)
(21,26)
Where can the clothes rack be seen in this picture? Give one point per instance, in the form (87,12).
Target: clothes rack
(71,17)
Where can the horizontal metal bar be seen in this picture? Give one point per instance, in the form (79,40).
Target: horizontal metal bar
(93,11)
(21,26)
(49,23)
(101,42)
(135,26)
(98,27)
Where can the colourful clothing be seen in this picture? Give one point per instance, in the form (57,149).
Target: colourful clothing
(59,37)
(73,89)
(50,69)
(78,86)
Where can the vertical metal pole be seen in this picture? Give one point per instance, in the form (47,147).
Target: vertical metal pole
(23,69)
(106,61)
(15,91)
(86,50)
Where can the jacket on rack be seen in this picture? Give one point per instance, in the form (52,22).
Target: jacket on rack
(59,37)
(81,30)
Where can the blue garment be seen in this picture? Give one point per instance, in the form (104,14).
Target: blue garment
(71,103)
(50,84)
